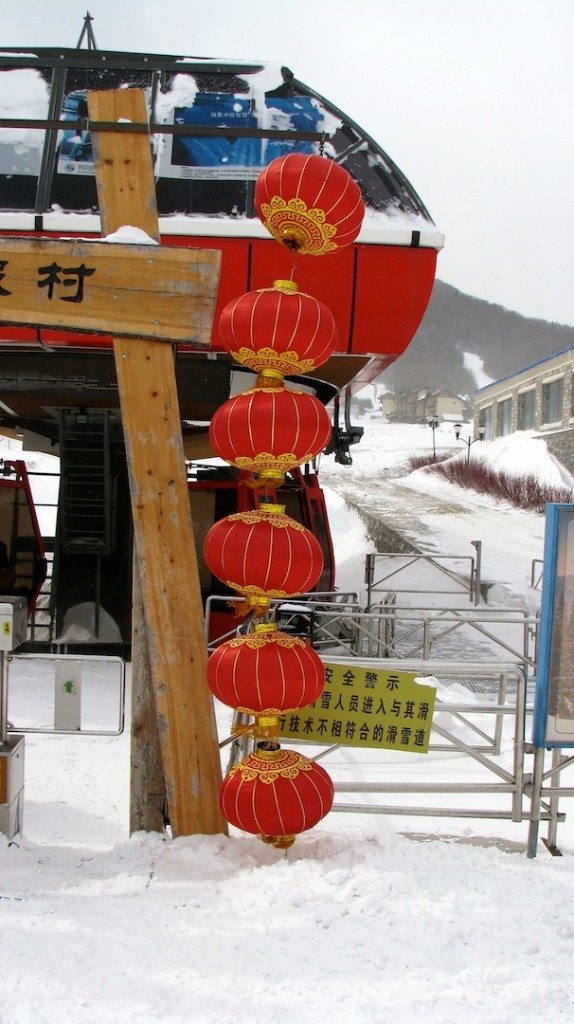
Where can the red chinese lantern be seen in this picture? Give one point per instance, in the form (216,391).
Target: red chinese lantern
(263,554)
(268,430)
(266,672)
(276,794)
(279,329)
(309,204)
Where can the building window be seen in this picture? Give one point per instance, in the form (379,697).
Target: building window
(553,401)
(527,410)
(504,417)
(485,420)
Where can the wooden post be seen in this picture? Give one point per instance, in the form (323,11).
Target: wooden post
(148,801)
(163,530)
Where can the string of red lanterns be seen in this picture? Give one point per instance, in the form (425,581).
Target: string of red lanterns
(313,207)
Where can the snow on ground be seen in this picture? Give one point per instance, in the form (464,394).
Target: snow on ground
(365,918)
(440,517)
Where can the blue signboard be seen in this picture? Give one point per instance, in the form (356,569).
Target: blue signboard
(554,698)
(205,157)
(192,156)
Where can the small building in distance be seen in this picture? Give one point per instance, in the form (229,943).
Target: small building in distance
(420,404)
(540,397)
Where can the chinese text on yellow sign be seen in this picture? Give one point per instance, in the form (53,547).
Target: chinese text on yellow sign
(362,706)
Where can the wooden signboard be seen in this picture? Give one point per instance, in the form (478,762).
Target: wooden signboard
(142,291)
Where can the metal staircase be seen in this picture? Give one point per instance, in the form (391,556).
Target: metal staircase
(86,504)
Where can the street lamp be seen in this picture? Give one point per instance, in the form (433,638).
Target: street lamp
(468,440)
(433,424)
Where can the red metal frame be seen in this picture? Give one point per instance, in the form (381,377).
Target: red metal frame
(21,482)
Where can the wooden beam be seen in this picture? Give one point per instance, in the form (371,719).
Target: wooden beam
(163,530)
(148,801)
(143,291)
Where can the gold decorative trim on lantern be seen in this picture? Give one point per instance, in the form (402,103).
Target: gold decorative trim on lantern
(282,285)
(269,466)
(257,639)
(269,377)
(275,514)
(282,764)
(298,228)
(279,842)
(256,595)
(266,725)
(267,359)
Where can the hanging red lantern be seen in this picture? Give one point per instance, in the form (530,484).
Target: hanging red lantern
(279,329)
(270,429)
(276,794)
(309,204)
(263,554)
(266,672)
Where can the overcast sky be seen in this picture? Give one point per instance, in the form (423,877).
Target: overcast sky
(471,98)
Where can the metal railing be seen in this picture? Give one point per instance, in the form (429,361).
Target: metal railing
(41,685)
(325,616)
(545,798)
(382,570)
(470,634)
(509,783)
(536,569)
(339,626)
(476,728)
(483,743)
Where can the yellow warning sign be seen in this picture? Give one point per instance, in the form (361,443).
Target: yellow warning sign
(6,627)
(362,706)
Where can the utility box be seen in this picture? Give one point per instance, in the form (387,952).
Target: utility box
(11,786)
(13,622)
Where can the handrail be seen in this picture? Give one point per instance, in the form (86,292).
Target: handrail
(470,584)
(390,631)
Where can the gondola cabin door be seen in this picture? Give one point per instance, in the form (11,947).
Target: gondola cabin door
(22,554)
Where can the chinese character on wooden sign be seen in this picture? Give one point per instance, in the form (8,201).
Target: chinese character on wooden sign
(132,290)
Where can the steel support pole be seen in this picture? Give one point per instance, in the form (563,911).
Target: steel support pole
(3,697)
(535,802)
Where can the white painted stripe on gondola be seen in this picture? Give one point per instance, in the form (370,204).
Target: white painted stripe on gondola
(216,227)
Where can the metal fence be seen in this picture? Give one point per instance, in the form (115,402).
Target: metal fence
(454,574)
(488,770)
(475,634)
(68,694)
(481,719)
(339,626)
